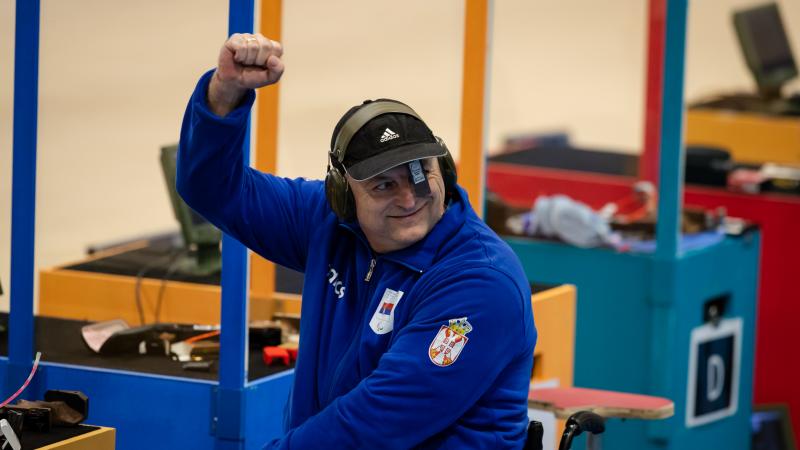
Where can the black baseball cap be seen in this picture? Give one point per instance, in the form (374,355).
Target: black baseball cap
(385,141)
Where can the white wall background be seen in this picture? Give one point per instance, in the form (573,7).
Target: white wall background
(115,76)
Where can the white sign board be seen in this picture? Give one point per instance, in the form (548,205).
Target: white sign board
(715,353)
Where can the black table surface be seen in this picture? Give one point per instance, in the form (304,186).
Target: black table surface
(60,341)
(34,439)
(573,158)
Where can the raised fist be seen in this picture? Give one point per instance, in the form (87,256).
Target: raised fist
(246,61)
(250,60)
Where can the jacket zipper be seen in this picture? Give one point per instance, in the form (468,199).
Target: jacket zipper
(372,263)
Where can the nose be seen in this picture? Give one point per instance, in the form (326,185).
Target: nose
(406,197)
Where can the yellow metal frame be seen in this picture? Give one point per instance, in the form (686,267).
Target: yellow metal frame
(262,272)
(751,138)
(554,356)
(100,439)
(555,324)
(472,161)
(87,296)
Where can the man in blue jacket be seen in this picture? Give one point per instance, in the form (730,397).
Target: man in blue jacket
(416,323)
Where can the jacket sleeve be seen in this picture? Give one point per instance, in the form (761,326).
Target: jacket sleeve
(270,215)
(409,399)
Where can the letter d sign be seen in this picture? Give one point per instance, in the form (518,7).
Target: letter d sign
(713,382)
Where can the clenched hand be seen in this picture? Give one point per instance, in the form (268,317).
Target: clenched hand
(246,61)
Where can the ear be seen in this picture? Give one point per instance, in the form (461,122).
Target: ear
(353,186)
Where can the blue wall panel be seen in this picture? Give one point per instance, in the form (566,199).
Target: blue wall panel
(266,400)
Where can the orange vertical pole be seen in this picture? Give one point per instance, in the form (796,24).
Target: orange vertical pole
(262,272)
(474,101)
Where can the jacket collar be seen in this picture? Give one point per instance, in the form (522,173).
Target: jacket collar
(421,255)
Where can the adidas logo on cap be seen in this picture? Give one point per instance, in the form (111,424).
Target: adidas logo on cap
(388,135)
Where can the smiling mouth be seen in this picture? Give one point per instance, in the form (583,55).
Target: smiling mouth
(409,215)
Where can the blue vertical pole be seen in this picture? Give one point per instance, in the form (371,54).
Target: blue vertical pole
(664,295)
(671,165)
(23,190)
(233,337)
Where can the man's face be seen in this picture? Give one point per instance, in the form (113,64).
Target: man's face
(389,213)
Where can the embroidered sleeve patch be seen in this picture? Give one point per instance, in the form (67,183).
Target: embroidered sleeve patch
(449,341)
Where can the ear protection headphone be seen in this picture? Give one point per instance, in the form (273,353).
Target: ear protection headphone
(337,189)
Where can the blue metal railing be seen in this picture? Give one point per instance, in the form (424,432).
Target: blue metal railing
(233,338)
(23,190)
(670,189)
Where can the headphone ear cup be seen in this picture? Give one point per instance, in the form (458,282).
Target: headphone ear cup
(339,196)
(448,168)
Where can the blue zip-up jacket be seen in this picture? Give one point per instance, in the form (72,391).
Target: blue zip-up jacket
(430,346)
